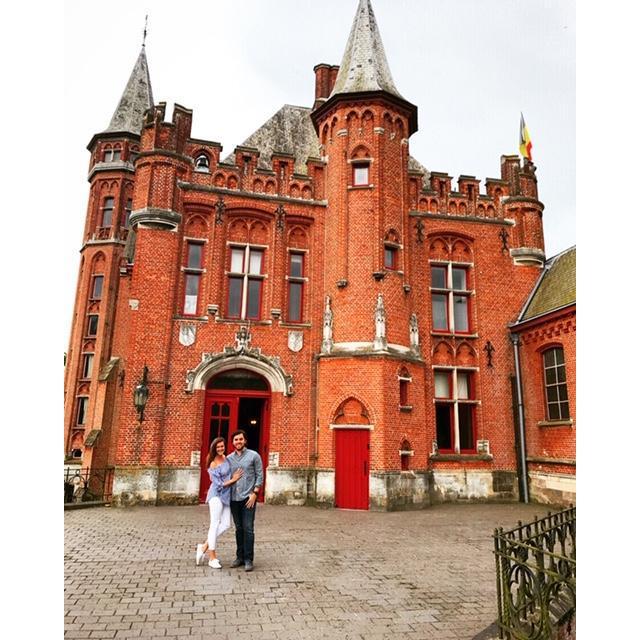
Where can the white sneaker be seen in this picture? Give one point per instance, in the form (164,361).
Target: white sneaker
(215,564)
(199,553)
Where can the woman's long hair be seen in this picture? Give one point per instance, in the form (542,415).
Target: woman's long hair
(212,450)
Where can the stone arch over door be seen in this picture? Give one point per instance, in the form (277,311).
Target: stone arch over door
(213,364)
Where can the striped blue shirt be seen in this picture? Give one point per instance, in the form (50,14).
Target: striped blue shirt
(253,477)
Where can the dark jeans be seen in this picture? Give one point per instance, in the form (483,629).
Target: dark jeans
(243,519)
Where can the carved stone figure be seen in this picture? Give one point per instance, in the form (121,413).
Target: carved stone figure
(414,336)
(327,329)
(380,341)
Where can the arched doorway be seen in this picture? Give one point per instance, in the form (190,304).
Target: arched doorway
(236,399)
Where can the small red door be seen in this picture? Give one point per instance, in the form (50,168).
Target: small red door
(352,468)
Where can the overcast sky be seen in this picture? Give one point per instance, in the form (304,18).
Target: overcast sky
(470,66)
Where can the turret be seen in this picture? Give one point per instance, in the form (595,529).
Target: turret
(525,209)
(364,126)
(111,171)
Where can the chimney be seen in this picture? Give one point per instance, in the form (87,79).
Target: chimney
(325,79)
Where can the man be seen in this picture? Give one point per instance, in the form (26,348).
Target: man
(244,495)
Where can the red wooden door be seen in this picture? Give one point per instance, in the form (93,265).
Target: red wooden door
(220,420)
(352,468)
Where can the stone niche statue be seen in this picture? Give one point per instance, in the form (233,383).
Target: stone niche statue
(380,340)
(327,327)
(414,335)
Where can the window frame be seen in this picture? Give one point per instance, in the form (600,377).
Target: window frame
(451,294)
(87,366)
(82,403)
(246,278)
(394,252)
(110,209)
(454,402)
(298,280)
(94,279)
(192,272)
(88,325)
(556,367)
(359,165)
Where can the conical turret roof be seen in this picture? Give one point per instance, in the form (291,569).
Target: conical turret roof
(364,64)
(136,99)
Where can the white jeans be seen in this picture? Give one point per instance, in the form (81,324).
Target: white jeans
(220,521)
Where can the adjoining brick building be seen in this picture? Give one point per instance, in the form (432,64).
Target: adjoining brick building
(320,288)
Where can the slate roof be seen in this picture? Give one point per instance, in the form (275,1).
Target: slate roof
(364,64)
(556,287)
(136,99)
(290,130)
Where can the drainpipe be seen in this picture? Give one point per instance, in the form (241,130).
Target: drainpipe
(522,452)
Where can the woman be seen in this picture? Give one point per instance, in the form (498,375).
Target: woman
(219,498)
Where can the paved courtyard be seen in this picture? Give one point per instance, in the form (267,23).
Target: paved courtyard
(320,574)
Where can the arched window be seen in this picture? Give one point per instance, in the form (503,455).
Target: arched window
(202,163)
(555,384)
(239,379)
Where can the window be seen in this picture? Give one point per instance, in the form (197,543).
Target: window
(450,298)
(296,282)
(112,155)
(127,213)
(202,163)
(404,392)
(455,411)
(361,174)
(555,383)
(92,326)
(107,212)
(193,275)
(87,365)
(96,290)
(245,282)
(81,416)
(390,257)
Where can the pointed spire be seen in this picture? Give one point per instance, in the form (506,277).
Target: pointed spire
(364,64)
(136,98)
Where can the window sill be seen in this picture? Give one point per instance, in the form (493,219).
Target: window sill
(356,187)
(240,321)
(556,423)
(448,334)
(460,457)
(542,460)
(296,325)
(405,408)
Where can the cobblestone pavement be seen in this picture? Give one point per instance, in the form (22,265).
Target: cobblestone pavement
(319,574)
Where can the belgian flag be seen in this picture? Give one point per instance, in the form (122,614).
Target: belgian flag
(525,140)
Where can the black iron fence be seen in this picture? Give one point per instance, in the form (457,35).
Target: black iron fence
(536,576)
(87,485)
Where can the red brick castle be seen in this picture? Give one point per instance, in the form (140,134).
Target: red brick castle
(384,336)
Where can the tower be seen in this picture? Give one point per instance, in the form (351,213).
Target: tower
(91,372)
(364,127)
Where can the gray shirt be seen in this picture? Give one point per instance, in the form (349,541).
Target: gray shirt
(250,462)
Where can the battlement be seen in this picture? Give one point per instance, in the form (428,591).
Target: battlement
(168,136)
(435,192)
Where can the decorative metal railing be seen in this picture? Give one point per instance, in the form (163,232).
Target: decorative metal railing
(94,485)
(536,575)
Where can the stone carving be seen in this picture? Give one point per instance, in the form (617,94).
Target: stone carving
(295,341)
(414,335)
(187,334)
(380,341)
(243,339)
(241,354)
(327,329)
